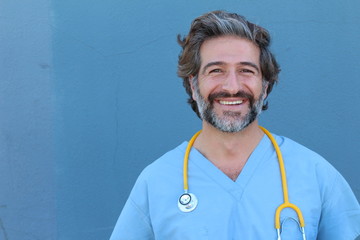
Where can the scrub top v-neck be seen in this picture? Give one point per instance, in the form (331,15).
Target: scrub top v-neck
(215,174)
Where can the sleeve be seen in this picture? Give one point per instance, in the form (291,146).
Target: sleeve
(340,217)
(134,222)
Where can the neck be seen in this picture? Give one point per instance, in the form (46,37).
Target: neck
(228,150)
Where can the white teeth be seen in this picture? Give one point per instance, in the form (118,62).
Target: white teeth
(230,102)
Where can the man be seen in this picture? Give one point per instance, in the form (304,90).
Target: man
(228,72)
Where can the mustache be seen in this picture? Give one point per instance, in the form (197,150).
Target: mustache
(239,94)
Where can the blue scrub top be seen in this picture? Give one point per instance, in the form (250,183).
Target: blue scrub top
(244,209)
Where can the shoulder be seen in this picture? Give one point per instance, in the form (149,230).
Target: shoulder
(312,167)
(302,155)
(290,146)
(162,170)
(171,160)
(158,181)
(306,164)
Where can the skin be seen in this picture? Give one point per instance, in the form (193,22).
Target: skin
(229,64)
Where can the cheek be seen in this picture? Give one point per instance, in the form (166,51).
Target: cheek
(257,88)
(208,87)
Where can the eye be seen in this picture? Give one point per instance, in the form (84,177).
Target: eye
(246,70)
(216,70)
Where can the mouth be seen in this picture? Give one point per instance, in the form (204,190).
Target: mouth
(231,104)
(227,102)
(231,101)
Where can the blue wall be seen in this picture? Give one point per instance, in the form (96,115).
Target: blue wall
(89,96)
(27,144)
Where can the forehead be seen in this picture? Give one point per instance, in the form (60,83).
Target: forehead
(229,50)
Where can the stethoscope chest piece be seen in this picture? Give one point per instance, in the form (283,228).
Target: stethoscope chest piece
(187,202)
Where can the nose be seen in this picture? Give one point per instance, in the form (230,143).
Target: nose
(232,82)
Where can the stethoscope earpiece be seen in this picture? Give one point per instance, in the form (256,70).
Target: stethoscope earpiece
(187,202)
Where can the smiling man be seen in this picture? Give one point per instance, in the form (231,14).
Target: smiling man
(235,174)
(230,68)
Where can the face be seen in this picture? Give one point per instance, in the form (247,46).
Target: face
(229,89)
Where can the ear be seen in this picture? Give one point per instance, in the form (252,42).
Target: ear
(191,82)
(266,88)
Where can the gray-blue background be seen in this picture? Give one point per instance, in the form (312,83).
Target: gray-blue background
(89,96)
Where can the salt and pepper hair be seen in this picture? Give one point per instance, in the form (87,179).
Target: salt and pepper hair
(216,24)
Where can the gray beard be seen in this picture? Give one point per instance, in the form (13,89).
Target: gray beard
(230,121)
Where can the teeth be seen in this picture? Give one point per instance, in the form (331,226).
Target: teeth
(230,102)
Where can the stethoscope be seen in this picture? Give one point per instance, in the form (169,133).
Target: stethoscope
(188,201)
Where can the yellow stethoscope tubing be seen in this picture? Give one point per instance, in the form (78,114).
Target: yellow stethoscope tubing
(285,204)
(186,161)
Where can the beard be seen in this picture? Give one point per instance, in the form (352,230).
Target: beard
(230,121)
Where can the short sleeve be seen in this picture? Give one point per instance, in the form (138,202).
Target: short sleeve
(340,217)
(134,222)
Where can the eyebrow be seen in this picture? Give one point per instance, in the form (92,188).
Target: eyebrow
(219,63)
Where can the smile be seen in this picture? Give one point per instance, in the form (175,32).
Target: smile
(222,102)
